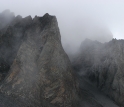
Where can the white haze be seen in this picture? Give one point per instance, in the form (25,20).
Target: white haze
(78,19)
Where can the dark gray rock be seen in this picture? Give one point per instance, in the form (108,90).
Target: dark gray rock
(40,74)
(103,64)
(11,38)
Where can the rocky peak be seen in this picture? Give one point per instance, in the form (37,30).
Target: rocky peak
(7,13)
(39,72)
(90,44)
(5,18)
(103,65)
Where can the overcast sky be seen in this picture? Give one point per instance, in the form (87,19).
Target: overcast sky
(72,15)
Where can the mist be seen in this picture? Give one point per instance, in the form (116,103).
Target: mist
(97,20)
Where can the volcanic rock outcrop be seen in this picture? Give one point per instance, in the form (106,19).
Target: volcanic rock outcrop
(38,72)
(103,64)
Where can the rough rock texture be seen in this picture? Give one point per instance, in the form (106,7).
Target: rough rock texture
(11,37)
(104,65)
(40,73)
(6,17)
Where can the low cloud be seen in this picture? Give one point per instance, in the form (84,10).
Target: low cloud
(97,20)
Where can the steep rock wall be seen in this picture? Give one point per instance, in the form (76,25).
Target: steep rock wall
(40,73)
(103,64)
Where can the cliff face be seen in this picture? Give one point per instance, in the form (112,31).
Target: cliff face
(103,65)
(39,71)
(11,37)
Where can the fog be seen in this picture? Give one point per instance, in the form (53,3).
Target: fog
(78,19)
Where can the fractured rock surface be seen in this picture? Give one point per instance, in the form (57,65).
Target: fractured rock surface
(103,64)
(39,71)
(11,38)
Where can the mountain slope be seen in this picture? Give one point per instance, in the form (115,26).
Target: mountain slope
(103,64)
